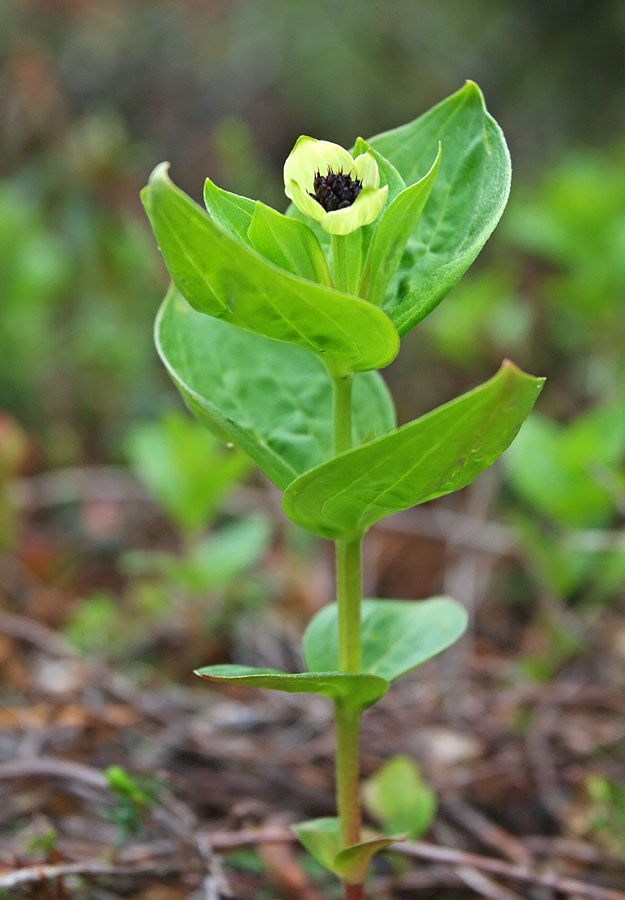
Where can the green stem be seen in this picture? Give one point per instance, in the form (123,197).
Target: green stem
(347,771)
(348,563)
(347,261)
(342,413)
(349,591)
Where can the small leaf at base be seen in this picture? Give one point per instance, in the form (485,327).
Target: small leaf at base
(322,839)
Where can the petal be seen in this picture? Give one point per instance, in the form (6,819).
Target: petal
(304,202)
(365,209)
(366,169)
(310,156)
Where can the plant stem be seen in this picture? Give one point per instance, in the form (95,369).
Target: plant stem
(342,413)
(346,261)
(349,591)
(348,562)
(347,771)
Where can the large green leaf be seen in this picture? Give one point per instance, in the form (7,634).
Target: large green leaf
(397,635)
(220,275)
(434,455)
(359,691)
(273,400)
(392,233)
(322,839)
(466,202)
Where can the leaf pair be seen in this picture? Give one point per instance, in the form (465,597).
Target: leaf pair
(398,796)
(322,839)
(397,636)
(272,399)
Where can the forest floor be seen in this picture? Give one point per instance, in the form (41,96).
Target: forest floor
(216,778)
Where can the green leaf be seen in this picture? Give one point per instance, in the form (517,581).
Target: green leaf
(322,839)
(561,569)
(466,203)
(235,547)
(219,275)
(565,472)
(391,236)
(439,453)
(398,796)
(359,691)
(362,238)
(214,562)
(351,864)
(230,211)
(273,400)
(397,635)
(289,244)
(186,469)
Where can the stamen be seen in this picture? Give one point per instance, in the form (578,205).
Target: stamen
(335,190)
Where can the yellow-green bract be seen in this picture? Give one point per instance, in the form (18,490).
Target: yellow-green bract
(310,157)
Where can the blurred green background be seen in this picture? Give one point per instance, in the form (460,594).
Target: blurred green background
(95,92)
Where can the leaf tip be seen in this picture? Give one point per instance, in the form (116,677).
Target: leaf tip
(472,89)
(158,176)
(159,172)
(513,374)
(360,146)
(508,365)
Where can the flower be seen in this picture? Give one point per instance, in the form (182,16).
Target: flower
(333,188)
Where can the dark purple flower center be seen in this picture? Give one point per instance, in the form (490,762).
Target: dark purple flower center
(335,190)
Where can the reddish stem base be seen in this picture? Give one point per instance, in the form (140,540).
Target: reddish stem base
(354,892)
